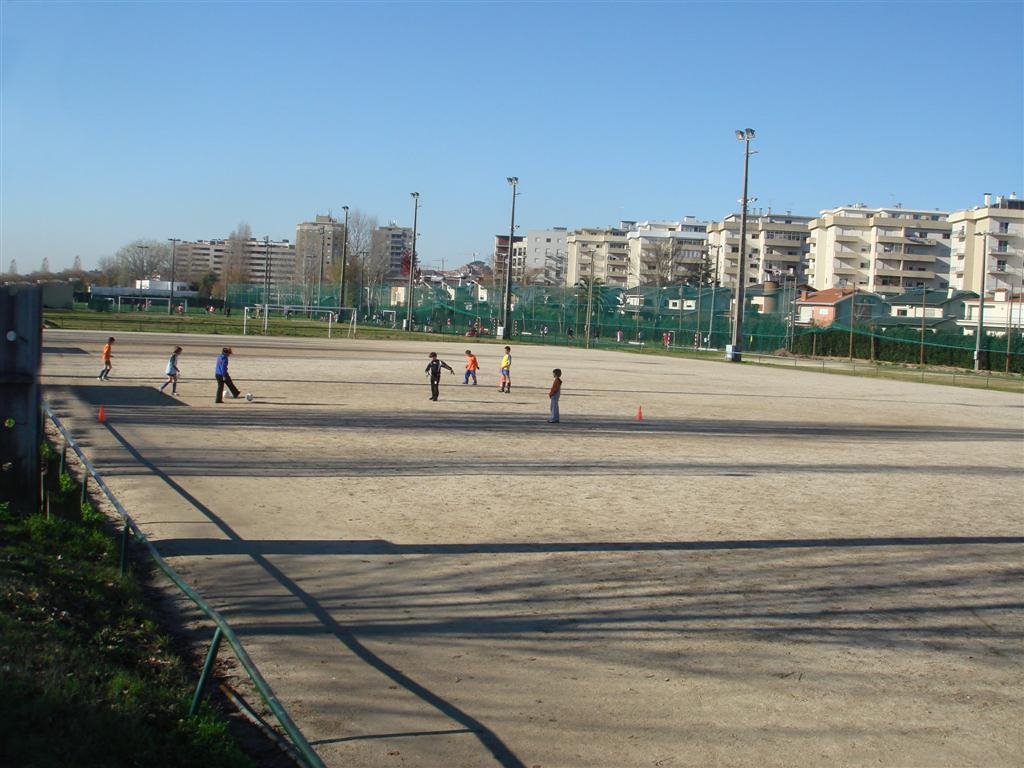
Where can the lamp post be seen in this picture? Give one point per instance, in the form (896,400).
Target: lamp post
(344,261)
(170,300)
(412,260)
(513,182)
(735,353)
(980,329)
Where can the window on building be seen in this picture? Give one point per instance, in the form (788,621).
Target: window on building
(1004,227)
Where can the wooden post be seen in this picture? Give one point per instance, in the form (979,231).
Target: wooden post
(21,321)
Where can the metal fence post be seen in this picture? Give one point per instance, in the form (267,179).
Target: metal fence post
(124,549)
(210,656)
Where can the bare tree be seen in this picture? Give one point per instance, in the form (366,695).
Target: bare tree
(235,267)
(139,260)
(12,267)
(656,263)
(77,266)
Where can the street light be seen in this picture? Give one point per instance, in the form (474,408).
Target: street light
(174,243)
(344,260)
(714,285)
(412,260)
(513,181)
(734,353)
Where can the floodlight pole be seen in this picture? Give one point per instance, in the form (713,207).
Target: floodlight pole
(344,261)
(507,309)
(412,260)
(980,329)
(735,354)
(174,243)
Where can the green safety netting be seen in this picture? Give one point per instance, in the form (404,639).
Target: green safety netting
(618,316)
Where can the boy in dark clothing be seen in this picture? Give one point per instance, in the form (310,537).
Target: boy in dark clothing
(433,370)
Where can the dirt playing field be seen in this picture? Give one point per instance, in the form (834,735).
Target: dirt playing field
(772,568)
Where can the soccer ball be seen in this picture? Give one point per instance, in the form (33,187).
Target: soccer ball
(249,396)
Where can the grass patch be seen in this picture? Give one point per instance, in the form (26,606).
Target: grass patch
(88,679)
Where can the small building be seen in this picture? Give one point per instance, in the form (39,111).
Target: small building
(933,310)
(1004,311)
(838,305)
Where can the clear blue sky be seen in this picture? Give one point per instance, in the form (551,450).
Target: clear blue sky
(154,120)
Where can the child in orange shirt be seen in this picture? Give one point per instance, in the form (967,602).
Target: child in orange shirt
(472,366)
(105,373)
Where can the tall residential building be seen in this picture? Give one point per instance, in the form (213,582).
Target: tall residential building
(318,244)
(1004,263)
(544,257)
(884,250)
(390,245)
(665,252)
(262,260)
(598,254)
(501,256)
(777,247)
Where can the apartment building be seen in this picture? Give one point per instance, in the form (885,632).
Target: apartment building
(262,260)
(885,250)
(389,245)
(777,247)
(598,254)
(318,245)
(544,257)
(501,255)
(665,252)
(1003,265)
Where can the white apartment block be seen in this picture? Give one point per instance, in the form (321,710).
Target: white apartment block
(776,248)
(264,260)
(884,250)
(665,252)
(389,245)
(544,256)
(1003,265)
(598,254)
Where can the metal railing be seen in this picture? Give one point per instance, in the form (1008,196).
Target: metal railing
(222,629)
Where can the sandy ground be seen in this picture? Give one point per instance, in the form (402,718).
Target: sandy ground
(773,568)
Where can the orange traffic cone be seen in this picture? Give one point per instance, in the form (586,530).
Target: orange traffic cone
(102,415)
(639,413)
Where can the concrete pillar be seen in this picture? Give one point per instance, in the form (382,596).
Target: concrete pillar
(21,332)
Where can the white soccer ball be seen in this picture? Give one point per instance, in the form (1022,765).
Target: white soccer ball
(249,396)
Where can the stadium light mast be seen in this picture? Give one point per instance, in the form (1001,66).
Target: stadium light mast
(734,353)
(344,260)
(506,333)
(174,243)
(979,330)
(412,260)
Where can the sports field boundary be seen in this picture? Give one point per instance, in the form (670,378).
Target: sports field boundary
(222,632)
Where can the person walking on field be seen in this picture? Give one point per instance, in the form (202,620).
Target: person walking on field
(506,371)
(433,371)
(105,373)
(223,377)
(554,393)
(172,372)
(472,366)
